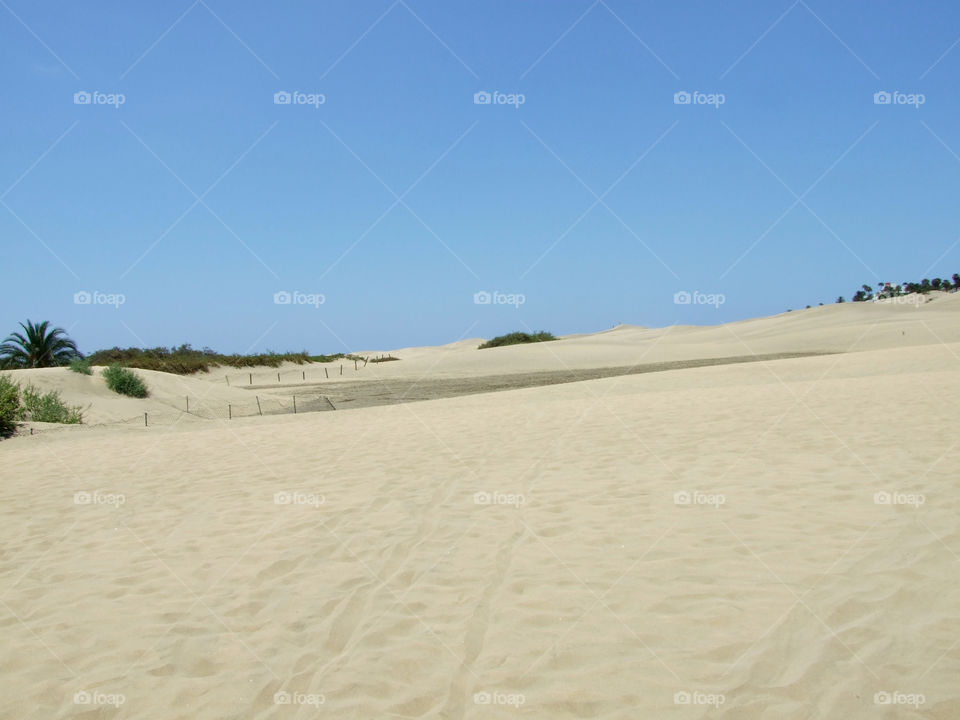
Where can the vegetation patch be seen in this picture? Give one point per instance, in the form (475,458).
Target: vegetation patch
(9,405)
(518,338)
(48,407)
(384,358)
(124,381)
(887,291)
(185,360)
(81,366)
(29,403)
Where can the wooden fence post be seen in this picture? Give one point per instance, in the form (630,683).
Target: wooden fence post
(259,409)
(229,411)
(294,404)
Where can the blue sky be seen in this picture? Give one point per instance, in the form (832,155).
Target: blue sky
(398,198)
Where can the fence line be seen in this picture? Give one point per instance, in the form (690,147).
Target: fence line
(206,410)
(316,372)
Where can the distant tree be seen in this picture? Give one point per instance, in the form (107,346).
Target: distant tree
(860,296)
(840,299)
(37,346)
(956,281)
(925,286)
(936,283)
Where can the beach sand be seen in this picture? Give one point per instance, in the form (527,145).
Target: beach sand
(767,540)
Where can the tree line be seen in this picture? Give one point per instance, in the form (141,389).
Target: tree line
(889,290)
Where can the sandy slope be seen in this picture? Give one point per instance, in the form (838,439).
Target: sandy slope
(851,327)
(597,596)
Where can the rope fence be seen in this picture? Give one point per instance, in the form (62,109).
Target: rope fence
(258,406)
(310,373)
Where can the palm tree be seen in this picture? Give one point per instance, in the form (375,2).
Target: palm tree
(38,346)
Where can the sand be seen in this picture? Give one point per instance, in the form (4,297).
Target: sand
(691,543)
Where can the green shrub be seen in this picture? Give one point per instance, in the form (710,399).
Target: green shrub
(48,407)
(517,338)
(10,410)
(125,382)
(81,365)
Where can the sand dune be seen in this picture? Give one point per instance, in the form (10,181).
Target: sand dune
(602,549)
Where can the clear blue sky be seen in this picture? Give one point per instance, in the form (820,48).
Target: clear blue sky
(305,198)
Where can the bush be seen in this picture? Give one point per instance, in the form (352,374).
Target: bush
(31,404)
(81,365)
(48,407)
(125,382)
(9,405)
(517,338)
(184,360)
